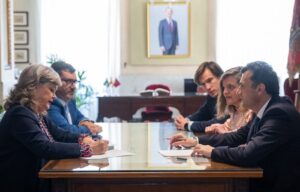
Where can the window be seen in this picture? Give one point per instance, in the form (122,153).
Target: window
(251,30)
(85,33)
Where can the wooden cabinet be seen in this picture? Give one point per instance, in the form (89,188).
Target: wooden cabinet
(125,106)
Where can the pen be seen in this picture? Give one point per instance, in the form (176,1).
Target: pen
(181,158)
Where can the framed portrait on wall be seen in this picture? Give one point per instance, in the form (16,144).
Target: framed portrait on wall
(9,28)
(168,29)
(21,19)
(22,55)
(21,37)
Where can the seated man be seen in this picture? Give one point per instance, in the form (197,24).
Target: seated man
(208,75)
(271,141)
(63,111)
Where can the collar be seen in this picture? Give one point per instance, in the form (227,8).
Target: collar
(169,20)
(64,104)
(262,109)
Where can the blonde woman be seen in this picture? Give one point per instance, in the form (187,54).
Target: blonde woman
(230,103)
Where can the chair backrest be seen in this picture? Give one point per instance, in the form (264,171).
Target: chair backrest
(190,86)
(157,113)
(289,89)
(156,86)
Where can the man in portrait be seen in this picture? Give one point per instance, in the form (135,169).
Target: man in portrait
(168,33)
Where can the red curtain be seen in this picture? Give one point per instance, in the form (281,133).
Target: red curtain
(294,45)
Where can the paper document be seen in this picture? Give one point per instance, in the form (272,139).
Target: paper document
(109,154)
(176,153)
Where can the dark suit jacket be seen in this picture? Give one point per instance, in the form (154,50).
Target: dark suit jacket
(23,148)
(205,116)
(199,126)
(274,145)
(206,112)
(57,114)
(167,38)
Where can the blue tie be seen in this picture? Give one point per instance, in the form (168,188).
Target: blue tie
(69,118)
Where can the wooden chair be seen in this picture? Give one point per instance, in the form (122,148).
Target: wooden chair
(157,113)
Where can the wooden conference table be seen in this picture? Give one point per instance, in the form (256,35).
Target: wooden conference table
(146,170)
(124,106)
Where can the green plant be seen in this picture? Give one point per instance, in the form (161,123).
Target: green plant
(53,58)
(1,109)
(83,92)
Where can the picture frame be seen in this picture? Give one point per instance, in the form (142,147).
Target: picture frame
(9,28)
(21,37)
(21,55)
(21,19)
(167,39)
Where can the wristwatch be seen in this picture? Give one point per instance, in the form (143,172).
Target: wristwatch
(196,139)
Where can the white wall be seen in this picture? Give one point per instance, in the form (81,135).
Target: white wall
(137,70)
(6,68)
(33,8)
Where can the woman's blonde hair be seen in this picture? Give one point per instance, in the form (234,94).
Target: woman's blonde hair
(31,76)
(222,107)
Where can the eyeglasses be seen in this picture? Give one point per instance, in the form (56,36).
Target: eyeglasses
(70,81)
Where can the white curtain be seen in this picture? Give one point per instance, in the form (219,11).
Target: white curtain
(250,30)
(113,44)
(86,34)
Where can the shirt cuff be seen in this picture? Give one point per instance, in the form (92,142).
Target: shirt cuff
(190,123)
(86,120)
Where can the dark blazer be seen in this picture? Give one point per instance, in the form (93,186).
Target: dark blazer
(205,116)
(206,112)
(168,38)
(273,144)
(199,126)
(57,114)
(24,148)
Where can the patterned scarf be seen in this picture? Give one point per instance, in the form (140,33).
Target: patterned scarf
(44,128)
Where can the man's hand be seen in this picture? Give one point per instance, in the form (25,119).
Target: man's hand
(94,128)
(162,48)
(202,150)
(180,121)
(179,140)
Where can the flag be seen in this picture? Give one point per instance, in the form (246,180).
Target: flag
(293,64)
(116,83)
(106,83)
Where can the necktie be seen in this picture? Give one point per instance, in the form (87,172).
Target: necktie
(254,128)
(69,118)
(170,26)
(256,125)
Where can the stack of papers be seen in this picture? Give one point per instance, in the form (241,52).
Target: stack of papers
(109,154)
(176,153)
